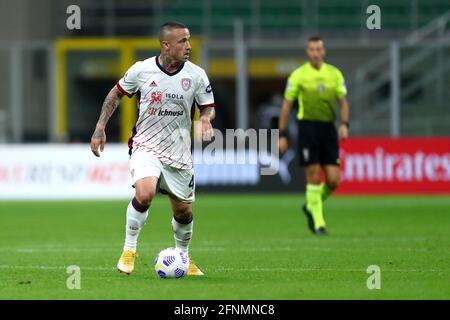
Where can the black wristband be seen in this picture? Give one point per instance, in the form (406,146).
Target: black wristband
(345,123)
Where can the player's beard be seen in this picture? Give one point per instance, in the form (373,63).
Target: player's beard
(186,56)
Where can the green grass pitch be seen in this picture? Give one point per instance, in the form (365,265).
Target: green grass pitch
(249,246)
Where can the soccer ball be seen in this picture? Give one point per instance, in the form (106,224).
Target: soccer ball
(171,263)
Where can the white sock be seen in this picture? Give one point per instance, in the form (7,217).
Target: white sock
(135,221)
(182,234)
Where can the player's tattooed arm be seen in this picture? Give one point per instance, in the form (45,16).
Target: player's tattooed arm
(110,104)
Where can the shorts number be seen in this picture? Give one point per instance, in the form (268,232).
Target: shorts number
(191,183)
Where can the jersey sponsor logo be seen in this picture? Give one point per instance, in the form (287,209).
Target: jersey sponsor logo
(165,112)
(174,96)
(170,113)
(208,88)
(156,97)
(186,84)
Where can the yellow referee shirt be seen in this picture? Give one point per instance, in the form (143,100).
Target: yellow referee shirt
(316,91)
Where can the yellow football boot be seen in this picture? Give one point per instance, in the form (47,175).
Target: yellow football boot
(126,261)
(193,270)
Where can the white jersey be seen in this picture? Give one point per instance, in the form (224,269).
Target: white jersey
(166,104)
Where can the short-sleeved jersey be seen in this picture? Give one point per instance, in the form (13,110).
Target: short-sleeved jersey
(166,103)
(316,91)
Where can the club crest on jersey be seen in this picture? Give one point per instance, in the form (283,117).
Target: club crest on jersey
(156,97)
(186,84)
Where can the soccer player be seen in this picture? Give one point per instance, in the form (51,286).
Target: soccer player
(167,86)
(317,86)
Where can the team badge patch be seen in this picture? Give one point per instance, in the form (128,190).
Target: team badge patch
(156,97)
(186,84)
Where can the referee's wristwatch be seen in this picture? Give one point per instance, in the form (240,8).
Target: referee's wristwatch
(345,123)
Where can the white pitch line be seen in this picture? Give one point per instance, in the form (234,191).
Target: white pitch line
(5,266)
(322,269)
(215,248)
(219,243)
(296,269)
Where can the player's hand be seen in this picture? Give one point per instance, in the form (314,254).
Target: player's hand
(98,141)
(283,144)
(343,132)
(206,129)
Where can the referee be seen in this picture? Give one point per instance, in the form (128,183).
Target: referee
(316,85)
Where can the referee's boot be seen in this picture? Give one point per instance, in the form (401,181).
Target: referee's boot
(311,225)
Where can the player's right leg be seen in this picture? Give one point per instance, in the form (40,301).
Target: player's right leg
(137,213)
(145,171)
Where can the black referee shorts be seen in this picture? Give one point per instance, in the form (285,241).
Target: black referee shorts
(318,143)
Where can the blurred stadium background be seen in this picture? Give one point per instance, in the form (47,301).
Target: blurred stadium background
(398,77)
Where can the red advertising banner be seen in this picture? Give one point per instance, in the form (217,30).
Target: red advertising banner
(395,165)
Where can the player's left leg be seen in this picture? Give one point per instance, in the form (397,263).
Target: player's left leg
(182,223)
(182,226)
(180,186)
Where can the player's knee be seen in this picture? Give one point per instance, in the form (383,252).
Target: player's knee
(183,215)
(333,184)
(313,178)
(144,197)
(313,174)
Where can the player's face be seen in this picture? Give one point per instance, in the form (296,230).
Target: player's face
(315,51)
(179,46)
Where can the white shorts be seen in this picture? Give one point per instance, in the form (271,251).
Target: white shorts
(177,182)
